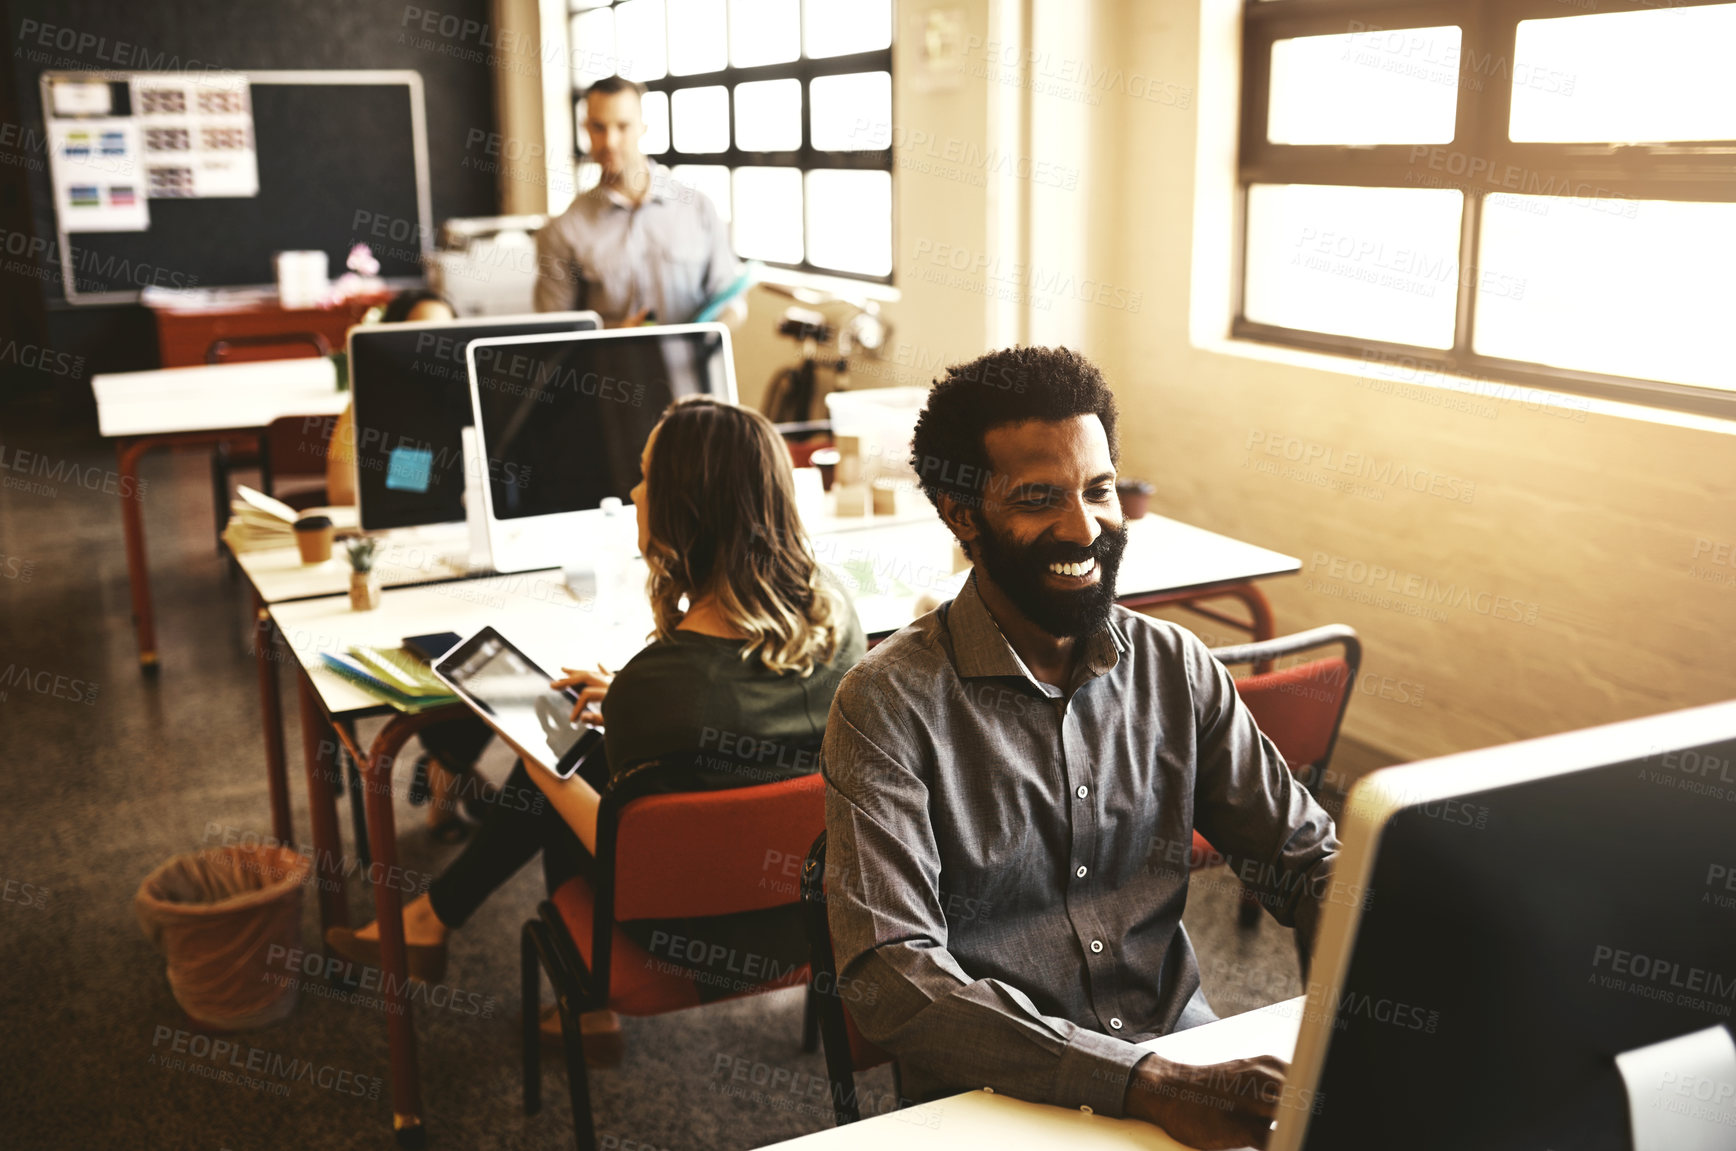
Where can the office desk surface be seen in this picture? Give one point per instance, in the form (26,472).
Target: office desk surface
(980,1121)
(532,609)
(215,396)
(278,575)
(891,567)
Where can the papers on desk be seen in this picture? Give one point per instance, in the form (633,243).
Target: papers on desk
(257,521)
(396,676)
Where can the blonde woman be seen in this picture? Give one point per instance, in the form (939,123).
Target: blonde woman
(752,638)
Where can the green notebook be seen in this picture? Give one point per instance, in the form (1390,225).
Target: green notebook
(397,676)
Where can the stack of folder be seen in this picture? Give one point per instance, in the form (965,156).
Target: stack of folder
(398,677)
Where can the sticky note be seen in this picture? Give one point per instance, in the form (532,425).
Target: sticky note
(409,469)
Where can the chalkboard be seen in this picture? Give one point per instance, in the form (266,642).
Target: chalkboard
(342,160)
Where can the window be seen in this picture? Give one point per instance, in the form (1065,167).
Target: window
(1535,190)
(779,110)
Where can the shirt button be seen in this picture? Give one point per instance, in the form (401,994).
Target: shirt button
(1096,945)
(1085,1107)
(1081,872)
(1083,791)
(1115,1025)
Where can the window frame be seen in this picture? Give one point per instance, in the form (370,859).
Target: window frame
(1700,170)
(805,158)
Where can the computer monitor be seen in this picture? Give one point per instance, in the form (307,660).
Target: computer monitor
(411,389)
(561,421)
(1504,923)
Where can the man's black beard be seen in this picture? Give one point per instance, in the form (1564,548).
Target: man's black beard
(1019,572)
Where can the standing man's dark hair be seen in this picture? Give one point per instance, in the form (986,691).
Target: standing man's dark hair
(609,85)
(1008,386)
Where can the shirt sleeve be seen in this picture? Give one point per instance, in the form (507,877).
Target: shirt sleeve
(1278,841)
(904,989)
(721,266)
(557,271)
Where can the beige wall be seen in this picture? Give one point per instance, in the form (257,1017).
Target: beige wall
(1589,521)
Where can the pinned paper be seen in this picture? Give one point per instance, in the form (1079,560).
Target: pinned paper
(94,165)
(197,134)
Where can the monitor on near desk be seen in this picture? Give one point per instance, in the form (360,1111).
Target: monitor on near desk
(411,390)
(1504,924)
(562,420)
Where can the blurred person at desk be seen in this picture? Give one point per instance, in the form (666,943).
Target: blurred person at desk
(762,643)
(412,306)
(1033,748)
(640,246)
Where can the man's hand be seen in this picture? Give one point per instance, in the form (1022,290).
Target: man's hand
(1221,1105)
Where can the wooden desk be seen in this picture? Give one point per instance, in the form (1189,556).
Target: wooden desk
(536,611)
(980,1121)
(184,334)
(201,406)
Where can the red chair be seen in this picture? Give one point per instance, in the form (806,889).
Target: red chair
(1300,709)
(660,856)
(847,1050)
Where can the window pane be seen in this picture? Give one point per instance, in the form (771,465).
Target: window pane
(1381,263)
(701,119)
(768,115)
(712,179)
(768,214)
(764,32)
(850,221)
(851,112)
(837,27)
(1626,77)
(1376,87)
(639,40)
(655,141)
(698,36)
(1625,287)
(593,47)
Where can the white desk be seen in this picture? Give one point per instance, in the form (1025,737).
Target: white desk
(979,1121)
(196,406)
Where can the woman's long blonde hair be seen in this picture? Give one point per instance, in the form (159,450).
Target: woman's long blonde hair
(724,523)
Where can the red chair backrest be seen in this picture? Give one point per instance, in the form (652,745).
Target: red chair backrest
(716,852)
(1299,707)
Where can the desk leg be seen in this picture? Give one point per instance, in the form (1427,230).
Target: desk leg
(389,912)
(319,747)
(271,717)
(133,524)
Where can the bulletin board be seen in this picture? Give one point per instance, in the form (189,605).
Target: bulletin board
(197,180)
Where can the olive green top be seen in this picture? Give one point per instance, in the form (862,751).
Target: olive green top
(694,696)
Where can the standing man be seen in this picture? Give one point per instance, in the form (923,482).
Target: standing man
(1033,749)
(640,245)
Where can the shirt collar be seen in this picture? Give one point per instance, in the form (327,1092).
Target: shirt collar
(660,180)
(979,648)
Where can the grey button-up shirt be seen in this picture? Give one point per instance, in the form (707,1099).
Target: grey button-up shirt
(670,254)
(1007,862)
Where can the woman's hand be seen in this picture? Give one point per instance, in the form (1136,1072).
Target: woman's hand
(593,686)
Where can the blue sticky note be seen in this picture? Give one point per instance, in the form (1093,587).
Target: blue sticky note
(408,469)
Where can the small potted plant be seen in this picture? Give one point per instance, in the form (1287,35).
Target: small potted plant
(364,580)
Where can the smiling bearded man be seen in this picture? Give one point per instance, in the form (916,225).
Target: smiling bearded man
(1032,748)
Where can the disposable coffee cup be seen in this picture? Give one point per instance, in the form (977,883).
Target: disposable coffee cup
(313,536)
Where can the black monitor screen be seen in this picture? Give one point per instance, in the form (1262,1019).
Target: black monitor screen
(412,399)
(1516,940)
(563,421)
